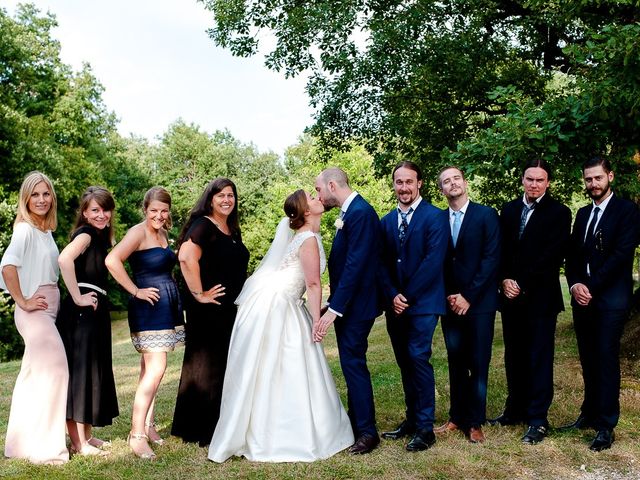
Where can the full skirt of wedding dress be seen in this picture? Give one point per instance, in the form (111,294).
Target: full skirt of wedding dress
(279,401)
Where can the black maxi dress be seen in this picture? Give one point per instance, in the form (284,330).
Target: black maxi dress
(208,329)
(86,335)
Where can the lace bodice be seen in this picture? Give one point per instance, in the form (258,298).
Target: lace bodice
(290,275)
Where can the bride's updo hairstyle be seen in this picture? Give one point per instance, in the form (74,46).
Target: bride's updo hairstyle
(295,206)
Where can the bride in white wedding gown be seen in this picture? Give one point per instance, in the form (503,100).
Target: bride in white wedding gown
(279,400)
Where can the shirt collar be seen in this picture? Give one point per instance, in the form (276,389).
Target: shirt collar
(347,202)
(463,209)
(537,200)
(414,205)
(604,203)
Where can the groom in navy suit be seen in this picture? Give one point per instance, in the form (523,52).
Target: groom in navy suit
(415,238)
(599,274)
(353,300)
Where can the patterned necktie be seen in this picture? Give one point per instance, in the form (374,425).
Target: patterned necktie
(402,229)
(523,217)
(455,229)
(592,226)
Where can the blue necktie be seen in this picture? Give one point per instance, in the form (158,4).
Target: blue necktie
(402,229)
(455,229)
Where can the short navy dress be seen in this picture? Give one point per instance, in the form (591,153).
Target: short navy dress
(158,327)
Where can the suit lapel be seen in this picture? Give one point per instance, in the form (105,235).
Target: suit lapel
(467,219)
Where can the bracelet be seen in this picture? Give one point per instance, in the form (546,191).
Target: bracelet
(135,294)
(195,294)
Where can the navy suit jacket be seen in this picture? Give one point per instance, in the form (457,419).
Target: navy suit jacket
(471,267)
(610,256)
(415,268)
(534,260)
(353,262)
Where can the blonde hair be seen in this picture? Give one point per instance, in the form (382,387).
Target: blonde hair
(29,184)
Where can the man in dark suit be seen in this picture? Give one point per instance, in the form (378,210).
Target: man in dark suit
(353,302)
(415,237)
(535,230)
(471,283)
(599,274)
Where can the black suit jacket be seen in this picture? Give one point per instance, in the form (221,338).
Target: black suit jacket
(534,260)
(610,256)
(471,267)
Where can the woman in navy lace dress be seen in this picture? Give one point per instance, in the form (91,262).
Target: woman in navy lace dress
(155,316)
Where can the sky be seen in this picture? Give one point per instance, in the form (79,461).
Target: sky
(157,64)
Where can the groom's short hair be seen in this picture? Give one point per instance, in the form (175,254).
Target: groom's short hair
(336,175)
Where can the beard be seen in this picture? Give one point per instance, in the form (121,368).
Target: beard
(329,203)
(600,193)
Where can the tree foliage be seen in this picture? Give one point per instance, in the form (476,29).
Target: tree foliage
(468,81)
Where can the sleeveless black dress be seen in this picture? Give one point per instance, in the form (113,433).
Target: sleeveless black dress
(208,328)
(86,335)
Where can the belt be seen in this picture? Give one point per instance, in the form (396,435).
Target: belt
(92,287)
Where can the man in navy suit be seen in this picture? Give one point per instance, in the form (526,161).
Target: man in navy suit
(599,274)
(415,238)
(535,231)
(471,283)
(353,302)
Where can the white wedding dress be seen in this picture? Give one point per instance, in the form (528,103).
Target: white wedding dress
(279,401)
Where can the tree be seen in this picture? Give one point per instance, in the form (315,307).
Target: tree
(417,78)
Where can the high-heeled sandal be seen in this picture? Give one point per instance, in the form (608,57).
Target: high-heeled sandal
(140,436)
(157,441)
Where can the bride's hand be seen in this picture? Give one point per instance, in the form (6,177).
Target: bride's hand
(320,328)
(209,296)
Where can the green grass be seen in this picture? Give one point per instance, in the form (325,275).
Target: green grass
(501,457)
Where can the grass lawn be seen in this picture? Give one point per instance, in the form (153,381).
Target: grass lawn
(502,456)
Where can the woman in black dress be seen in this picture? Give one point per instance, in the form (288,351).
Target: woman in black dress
(84,323)
(213,261)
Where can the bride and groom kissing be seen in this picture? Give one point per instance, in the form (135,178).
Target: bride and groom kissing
(279,401)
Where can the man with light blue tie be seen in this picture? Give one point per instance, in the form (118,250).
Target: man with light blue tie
(415,239)
(471,283)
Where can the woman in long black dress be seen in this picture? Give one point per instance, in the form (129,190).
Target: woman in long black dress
(84,323)
(213,261)
(154,309)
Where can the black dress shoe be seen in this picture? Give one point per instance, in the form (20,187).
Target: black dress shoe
(535,434)
(604,439)
(364,444)
(581,423)
(403,430)
(504,420)
(421,441)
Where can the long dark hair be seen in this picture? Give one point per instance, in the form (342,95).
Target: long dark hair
(104,199)
(203,207)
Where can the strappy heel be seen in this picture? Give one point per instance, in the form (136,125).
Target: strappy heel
(140,436)
(156,441)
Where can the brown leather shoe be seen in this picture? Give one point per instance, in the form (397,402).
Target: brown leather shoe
(476,435)
(447,427)
(364,444)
